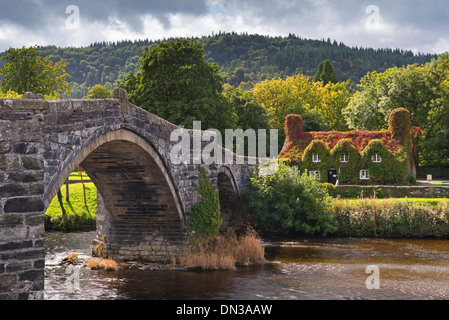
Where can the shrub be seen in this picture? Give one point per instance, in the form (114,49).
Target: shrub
(204,218)
(289,201)
(391,218)
(223,252)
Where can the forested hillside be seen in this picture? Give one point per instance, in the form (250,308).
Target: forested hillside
(243,59)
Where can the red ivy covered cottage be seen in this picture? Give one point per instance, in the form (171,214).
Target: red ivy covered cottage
(355,157)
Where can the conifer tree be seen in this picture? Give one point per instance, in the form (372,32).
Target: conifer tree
(326,73)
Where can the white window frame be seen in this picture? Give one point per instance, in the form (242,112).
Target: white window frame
(364,175)
(344,158)
(376,158)
(317,173)
(316,158)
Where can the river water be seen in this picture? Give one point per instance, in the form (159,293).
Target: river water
(300,269)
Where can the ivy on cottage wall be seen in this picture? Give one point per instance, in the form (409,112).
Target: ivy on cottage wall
(348,172)
(317,147)
(394,147)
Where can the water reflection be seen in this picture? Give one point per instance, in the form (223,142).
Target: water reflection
(311,269)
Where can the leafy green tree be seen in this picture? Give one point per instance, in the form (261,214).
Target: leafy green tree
(176,83)
(325,73)
(99,92)
(25,70)
(421,89)
(290,201)
(248,113)
(204,218)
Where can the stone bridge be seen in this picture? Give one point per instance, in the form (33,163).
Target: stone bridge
(143,198)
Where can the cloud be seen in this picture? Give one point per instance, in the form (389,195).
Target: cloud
(413,25)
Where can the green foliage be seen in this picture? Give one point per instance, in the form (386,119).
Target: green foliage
(99,92)
(391,218)
(436,172)
(25,70)
(244,59)
(76,216)
(176,83)
(317,147)
(325,73)
(392,170)
(349,172)
(204,218)
(249,114)
(289,201)
(420,89)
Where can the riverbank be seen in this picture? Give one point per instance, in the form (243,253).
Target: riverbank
(296,269)
(81,213)
(391,218)
(368,217)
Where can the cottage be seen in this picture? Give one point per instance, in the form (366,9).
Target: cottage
(355,157)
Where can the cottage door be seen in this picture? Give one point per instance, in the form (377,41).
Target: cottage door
(332,176)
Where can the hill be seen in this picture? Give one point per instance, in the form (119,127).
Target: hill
(243,59)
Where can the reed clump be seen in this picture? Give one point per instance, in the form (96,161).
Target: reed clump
(223,252)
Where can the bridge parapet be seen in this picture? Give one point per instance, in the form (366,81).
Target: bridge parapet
(144,196)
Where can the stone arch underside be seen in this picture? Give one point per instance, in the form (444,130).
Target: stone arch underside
(228,193)
(139,215)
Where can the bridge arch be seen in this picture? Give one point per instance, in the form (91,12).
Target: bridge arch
(229,197)
(141,214)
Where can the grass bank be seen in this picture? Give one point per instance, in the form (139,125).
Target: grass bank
(391,217)
(79,216)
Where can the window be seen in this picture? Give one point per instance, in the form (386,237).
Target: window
(364,175)
(316,158)
(376,158)
(316,174)
(344,158)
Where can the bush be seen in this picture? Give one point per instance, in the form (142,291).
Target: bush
(223,252)
(289,201)
(391,218)
(204,218)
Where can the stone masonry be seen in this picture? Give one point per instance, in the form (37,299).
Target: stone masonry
(143,197)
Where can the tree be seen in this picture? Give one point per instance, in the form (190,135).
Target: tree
(334,99)
(249,114)
(421,89)
(204,218)
(25,70)
(325,73)
(289,201)
(99,92)
(176,83)
(321,105)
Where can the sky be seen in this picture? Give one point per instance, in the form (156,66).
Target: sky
(419,26)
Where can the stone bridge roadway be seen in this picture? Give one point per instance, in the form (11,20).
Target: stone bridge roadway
(143,196)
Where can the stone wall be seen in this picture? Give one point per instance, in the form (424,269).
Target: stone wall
(22,257)
(126,151)
(391,191)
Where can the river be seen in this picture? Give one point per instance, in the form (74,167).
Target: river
(300,269)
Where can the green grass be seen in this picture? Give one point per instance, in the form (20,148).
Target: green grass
(391,217)
(431,202)
(79,217)
(77,176)
(439,184)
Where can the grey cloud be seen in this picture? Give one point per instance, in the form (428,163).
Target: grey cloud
(36,14)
